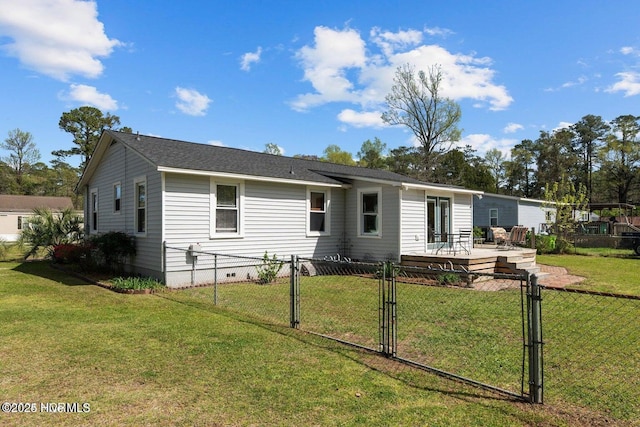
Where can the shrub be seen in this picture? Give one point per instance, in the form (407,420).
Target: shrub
(448,279)
(135,283)
(69,253)
(545,244)
(114,248)
(269,269)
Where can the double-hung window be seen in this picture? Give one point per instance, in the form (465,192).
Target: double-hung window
(93,210)
(140,194)
(318,212)
(370,212)
(493,217)
(226,208)
(226,204)
(117,197)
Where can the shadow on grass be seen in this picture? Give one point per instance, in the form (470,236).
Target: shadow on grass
(45,270)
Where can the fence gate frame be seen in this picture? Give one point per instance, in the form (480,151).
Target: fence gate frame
(387,309)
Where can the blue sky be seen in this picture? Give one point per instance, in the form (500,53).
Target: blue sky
(307,74)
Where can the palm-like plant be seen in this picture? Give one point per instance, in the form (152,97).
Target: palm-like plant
(46,229)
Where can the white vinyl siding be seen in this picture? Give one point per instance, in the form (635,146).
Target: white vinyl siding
(273,220)
(462,212)
(413,222)
(376,248)
(121,165)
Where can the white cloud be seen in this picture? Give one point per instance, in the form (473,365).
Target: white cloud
(216,143)
(483,143)
(437,31)
(361,119)
(628,50)
(249,58)
(89,95)
(58,38)
(628,83)
(512,128)
(326,65)
(341,67)
(192,102)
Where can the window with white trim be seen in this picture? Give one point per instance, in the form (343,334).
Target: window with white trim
(318,212)
(93,210)
(226,208)
(140,194)
(370,212)
(117,197)
(493,217)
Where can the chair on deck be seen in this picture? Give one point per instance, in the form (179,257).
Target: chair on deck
(463,241)
(508,240)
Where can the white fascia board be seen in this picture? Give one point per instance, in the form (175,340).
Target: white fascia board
(249,177)
(428,187)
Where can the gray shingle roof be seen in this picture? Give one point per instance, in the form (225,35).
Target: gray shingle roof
(171,153)
(18,203)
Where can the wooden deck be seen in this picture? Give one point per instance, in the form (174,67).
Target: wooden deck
(483,259)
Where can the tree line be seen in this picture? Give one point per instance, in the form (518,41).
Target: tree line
(601,157)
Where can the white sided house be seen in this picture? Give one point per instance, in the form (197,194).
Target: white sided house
(15,211)
(176,194)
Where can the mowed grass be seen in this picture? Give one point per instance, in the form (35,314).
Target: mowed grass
(620,275)
(175,359)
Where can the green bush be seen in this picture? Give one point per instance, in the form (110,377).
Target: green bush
(545,244)
(113,249)
(448,279)
(136,283)
(269,269)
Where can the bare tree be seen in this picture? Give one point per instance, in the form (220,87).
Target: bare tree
(22,153)
(417,104)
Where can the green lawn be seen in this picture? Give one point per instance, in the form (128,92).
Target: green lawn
(175,359)
(604,274)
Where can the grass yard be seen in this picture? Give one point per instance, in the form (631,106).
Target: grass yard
(604,274)
(175,359)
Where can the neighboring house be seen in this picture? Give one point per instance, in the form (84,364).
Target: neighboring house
(15,210)
(231,201)
(496,210)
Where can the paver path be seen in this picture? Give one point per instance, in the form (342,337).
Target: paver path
(552,277)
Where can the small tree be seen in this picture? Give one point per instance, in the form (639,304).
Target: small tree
(46,229)
(567,201)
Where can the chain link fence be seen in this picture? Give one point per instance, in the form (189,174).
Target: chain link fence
(592,351)
(501,332)
(258,287)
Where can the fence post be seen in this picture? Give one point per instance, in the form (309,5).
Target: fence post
(536,387)
(294,292)
(393,325)
(387,307)
(193,268)
(215,279)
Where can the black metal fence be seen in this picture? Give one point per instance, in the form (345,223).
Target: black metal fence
(487,330)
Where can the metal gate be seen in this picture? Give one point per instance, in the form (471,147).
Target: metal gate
(483,337)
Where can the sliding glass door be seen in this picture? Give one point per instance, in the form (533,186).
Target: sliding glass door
(438,219)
